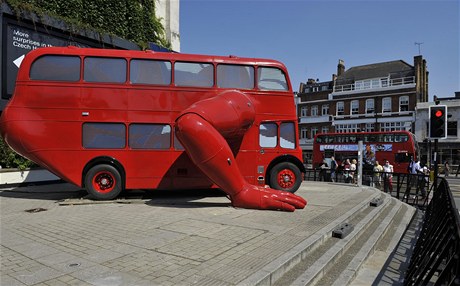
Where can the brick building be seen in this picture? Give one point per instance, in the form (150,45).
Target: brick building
(374,97)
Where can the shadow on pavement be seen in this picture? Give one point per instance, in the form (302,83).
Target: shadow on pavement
(68,194)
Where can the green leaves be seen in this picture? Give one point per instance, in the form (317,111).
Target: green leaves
(10,159)
(133,20)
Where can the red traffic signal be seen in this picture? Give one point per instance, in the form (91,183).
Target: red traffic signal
(438,122)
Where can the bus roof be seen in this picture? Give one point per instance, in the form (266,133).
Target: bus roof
(148,54)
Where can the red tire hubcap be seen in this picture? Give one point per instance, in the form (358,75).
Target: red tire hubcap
(104,182)
(286,178)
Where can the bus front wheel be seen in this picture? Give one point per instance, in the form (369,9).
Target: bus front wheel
(103,182)
(285,177)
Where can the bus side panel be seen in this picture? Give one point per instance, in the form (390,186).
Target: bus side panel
(104,103)
(147,169)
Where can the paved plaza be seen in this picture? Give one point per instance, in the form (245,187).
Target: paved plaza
(51,237)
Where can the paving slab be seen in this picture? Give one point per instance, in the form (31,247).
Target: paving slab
(157,238)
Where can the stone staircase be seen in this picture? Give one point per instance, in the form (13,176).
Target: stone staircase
(340,250)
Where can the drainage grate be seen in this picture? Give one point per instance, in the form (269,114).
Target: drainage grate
(36,210)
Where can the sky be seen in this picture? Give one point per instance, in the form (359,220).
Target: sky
(310,36)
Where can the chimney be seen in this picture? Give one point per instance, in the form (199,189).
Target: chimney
(310,81)
(340,68)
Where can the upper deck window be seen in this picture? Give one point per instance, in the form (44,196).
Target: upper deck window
(235,76)
(109,70)
(61,68)
(271,79)
(194,74)
(150,72)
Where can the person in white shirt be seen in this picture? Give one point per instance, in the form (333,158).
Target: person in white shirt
(387,177)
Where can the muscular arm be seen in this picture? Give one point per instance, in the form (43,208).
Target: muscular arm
(201,131)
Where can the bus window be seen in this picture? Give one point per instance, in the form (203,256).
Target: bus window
(108,70)
(150,72)
(271,79)
(61,68)
(177,145)
(403,157)
(268,135)
(194,74)
(235,76)
(287,135)
(401,138)
(104,135)
(149,136)
(388,138)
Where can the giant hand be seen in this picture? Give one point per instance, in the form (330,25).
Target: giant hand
(255,197)
(201,130)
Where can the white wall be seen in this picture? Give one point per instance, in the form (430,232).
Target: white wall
(168,13)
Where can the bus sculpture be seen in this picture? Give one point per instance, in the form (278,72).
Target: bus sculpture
(110,120)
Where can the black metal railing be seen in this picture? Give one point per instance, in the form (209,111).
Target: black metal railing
(413,189)
(436,257)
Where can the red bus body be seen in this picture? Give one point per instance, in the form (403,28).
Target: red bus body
(45,119)
(398,147)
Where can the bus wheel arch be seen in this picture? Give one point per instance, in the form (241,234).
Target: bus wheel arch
(104,179)
(285,174)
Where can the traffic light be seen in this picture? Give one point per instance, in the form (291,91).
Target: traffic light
(438,121)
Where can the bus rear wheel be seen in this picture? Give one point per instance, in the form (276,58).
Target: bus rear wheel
(285,177)
(103,182)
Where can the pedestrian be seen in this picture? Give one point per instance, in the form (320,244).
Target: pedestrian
(424,175)
(378,169)
(387,177)
(413,177)
(323,170)
(333,168)
(353,171)
(346,170)
(446,168)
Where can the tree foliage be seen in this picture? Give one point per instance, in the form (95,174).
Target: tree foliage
(10,159)
(133,20)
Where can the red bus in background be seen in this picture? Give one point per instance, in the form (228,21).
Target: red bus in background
(96,117)
(398,147)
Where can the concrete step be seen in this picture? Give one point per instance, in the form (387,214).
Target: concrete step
(277,268)
(340,259)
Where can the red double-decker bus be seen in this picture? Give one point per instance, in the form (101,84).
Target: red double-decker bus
(398,147)
(105,119)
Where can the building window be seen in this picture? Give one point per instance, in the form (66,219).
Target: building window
(354,107)
(452,128)
(386,105)
(314,110)
(369,106)
(303,111)
(324,87)
(314,130)
(346,128)
(325,129)
(325,109)
(340,108)
(303,133)
(393,126)
(370,127)
(404,103)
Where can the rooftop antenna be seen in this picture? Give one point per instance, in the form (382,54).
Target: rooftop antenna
(418,44)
